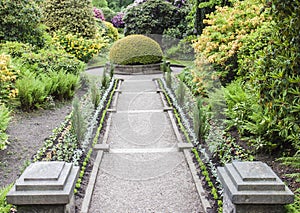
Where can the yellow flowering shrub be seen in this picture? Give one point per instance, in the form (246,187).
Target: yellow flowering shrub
(8,76)
(222,38)
(82,48)
(110,31)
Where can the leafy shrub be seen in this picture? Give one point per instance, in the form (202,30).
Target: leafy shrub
(77,120)
(153,17)
(4,119)
(200,120)
(108,13)
(4,206)
(15,49)
(269,62)
(117,20)
(20,21)
(182,51)
(135,49)
(276,78)
(99,3)
(8,76)
(70,16)
(46,60)
(63,84)
(35,89)
(32,92)
(222,39)
(110,31)
(82,48)
(98,14)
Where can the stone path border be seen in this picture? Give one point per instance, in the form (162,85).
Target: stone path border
(187,155)
(181,146)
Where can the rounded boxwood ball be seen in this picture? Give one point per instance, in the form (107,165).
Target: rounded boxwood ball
(134,50)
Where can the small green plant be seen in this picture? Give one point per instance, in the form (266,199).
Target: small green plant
(165,67)
(180,93)
(105,79)
(77,122)
(4,120)
(4,206)
(32,92)
(200,119)
(112,70)
(63,85)
(168,77)
(95,94)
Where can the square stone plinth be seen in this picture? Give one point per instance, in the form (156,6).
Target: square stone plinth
(45,183)
(253,183)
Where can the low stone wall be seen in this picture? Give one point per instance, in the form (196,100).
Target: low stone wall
(136,69)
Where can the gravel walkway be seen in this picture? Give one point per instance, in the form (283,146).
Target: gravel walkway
(143,171)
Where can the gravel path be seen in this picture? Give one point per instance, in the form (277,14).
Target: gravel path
(143,172)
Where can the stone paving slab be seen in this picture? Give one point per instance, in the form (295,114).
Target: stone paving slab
(141,130)
(139,77)
(145,183)
(143,170)
(139,101)
(138,86)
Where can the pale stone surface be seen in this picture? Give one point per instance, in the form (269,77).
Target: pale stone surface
(132,85)
(252,187)
(144,100)
(44,171)
(145,183)
(183,146)
(141,130)
(50,193)
(144,170)
(104,147)
(254,171)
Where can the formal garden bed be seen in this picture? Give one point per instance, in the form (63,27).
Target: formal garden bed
(238,98)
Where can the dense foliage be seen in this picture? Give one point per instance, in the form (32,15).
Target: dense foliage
(222,38)
(117,20)
(257,53)
(70,16)
(4,119)
(82,48)
(20,21)
(100,3)
(8,76)
(139,17)
(135,49)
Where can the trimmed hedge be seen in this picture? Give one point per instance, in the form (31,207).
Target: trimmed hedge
(134,50)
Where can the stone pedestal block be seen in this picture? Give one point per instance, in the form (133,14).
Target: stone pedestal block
(45,187)
(252,187)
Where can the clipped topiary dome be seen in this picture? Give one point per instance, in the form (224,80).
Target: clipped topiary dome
(135,49)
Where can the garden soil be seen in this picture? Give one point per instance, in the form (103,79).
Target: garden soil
(27,133)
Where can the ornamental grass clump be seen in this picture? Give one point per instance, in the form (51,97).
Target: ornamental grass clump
(135,50)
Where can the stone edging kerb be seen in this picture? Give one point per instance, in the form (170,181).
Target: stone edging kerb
(136,69)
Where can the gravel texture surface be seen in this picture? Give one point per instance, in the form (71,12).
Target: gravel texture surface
(141,130)
(139,101)
(145,186)
(27,133)
(139,86)
(143,180)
